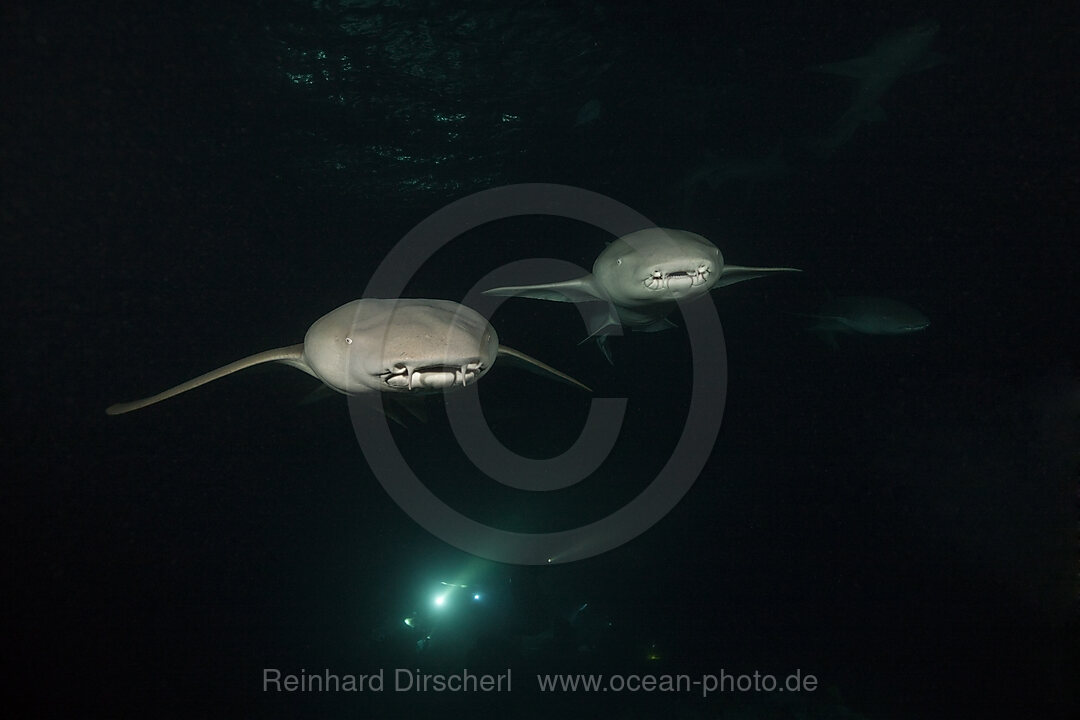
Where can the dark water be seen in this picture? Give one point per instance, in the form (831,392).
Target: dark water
(187,184)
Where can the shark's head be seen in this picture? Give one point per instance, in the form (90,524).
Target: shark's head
(657,265)
(406,345)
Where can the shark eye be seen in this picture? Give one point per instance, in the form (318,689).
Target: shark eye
(619,261)
(348,341)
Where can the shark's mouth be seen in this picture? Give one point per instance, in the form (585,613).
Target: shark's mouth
(678,280)
(432,377)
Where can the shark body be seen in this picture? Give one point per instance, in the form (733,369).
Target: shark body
(640,277)
(901,53)
(395,346)
(866,316)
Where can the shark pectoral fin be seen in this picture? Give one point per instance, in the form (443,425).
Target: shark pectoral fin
(732,274)
(292,355)
(533,365)
(658,326)
(603,344)
(600,319)
(583,289)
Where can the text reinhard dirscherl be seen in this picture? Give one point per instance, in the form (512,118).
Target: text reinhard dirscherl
(409,680)
(404,680)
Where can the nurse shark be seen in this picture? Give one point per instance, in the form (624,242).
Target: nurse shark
(866,316)
(393,346)
(639,278)
(901,53)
